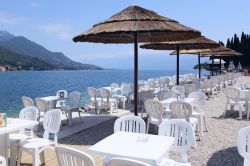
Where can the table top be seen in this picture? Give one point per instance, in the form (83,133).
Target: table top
(169,100)
(131,145)
(52,98)
(14,124)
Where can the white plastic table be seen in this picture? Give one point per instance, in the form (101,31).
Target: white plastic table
(127,144)
(52,100)
(167,102)
(13,125)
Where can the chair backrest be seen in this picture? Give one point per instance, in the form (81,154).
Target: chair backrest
(189,88)
(114,85)
(52,123)
(154,110)
(145,95)
(243,144)
(163,95)
(105,93)
(125,89)
(125,162)
(92,92)
(42,105)
(183,133)
(232,94)
(130,123)
(178,89)
(27,101)
(62,93)
(200,98)
(180,110)
(67,156)
(74,98)
(2,161)
(28,113)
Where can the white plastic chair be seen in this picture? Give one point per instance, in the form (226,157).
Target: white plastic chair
(198,112)
(163,95)
(42,106)
(154,110)
(107,102)
(130,123)
(28,113)
(143,96)
(2,161)
(36,146)
(243,144)
(93,98)
(125,162)
(179,89)
(71,157)
(183,133)
(27,101)
(207,87)
(233,99)
(72,106)
(183,110)
(189,88)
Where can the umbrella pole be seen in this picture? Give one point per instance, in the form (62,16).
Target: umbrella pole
(177,65)
(135,73)
(220,65)
(213,65)
(199,62)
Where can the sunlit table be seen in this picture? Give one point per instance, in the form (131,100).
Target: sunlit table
(13,125)
(168,101)
(52,100)
(144,147)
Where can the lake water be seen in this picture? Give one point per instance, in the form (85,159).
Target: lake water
(34,84)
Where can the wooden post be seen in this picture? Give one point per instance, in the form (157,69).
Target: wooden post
(177,65)
(135,74)
(199,63)
(212,64)
(220,65)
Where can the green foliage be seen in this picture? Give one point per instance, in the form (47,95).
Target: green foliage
(240,44)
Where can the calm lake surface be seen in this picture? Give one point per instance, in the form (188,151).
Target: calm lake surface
(14,85)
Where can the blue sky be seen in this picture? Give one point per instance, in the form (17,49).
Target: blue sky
(54,23)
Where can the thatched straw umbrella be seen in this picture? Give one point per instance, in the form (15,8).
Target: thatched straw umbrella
(220,54)
(135,24)
(196,43)
(200,51)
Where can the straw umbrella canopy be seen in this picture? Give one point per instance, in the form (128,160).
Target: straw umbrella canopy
(220,54)
(135,24)
(196,43)
(210,53)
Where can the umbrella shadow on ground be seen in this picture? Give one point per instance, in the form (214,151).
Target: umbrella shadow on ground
(232,115)
(227,157)
(91,135)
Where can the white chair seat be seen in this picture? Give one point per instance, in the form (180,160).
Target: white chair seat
(18,137)
(36,143)
(69,108)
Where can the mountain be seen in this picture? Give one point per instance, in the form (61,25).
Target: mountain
(12,59)
(22,45)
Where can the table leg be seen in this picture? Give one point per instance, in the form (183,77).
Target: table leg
(124,102)
(70,118)
(4,146)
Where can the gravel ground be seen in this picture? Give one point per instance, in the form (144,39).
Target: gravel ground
(217,147)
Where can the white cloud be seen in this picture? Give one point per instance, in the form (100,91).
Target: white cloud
(62,31)
(34,4)
(6,18)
